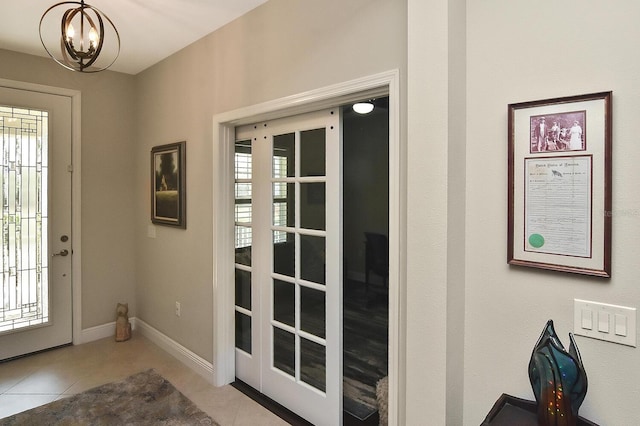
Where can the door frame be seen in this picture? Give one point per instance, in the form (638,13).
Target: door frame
(76,263)
(385,83)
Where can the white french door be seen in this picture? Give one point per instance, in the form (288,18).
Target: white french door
(288,262)
(35,242)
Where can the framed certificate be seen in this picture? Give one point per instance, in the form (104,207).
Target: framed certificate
(559,189)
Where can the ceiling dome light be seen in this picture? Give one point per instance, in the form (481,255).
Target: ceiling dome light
(363,107)
(77,33)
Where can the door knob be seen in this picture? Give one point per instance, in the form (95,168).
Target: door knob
(61,253)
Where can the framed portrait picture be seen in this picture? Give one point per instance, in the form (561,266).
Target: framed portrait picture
(559,184)
(168,185)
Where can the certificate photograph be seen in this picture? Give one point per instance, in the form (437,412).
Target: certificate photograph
(559,184)
(558,132)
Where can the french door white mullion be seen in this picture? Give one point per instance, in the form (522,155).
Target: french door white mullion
(242,267)
(312,285)
(244,311)
(297,271)
(283,326)
(312,179)
(311,232)
(284,278)
(301,231)
(262,257)
(319,340)
(333,288)
(297,292)
(287,229)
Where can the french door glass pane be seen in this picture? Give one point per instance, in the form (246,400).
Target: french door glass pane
(243,332)
(284,154)
(284,254)
(313,361)
(312,152)
(284,198)
(243,160)
(284,351)
(284,302)
(24,295)
(243,245)
(312,258)
(243,289)
(243,214)
(312,311)
(243,173)
(312,205)
(243,191)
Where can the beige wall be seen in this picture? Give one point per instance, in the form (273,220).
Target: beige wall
(107,173)
(282,48)
(520,51)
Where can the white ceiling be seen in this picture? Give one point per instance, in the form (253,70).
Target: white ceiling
(150,30)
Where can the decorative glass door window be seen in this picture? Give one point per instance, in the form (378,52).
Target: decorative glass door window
(24,296)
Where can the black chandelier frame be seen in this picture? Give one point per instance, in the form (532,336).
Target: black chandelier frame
(81,59)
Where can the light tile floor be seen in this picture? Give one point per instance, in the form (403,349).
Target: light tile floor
(38,379)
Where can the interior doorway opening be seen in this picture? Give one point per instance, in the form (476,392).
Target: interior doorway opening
(382,84)
(365,248)
(366,259)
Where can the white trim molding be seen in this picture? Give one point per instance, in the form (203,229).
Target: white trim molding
(195,362)
(223,275)
(98,332)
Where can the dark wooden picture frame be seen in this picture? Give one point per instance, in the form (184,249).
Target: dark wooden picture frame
(559,184)
(168,185)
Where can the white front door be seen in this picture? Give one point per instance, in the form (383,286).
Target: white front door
(35,241)
(289,262)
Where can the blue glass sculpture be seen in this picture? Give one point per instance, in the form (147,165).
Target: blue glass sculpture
(558,379)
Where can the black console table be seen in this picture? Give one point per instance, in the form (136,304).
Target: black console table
(509,411)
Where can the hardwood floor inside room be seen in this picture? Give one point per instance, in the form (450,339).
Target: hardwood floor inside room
(365,346)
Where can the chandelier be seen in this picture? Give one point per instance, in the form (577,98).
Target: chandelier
(74,34)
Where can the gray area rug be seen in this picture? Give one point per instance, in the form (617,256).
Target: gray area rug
(145,398)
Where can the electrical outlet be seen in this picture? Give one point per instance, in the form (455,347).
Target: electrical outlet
(178,309)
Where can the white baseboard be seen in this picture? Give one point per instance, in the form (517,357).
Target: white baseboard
(98,332)
(184,355)
(102,331)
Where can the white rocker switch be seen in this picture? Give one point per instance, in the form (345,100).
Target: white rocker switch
(603,322)
(587,319)
(621,325)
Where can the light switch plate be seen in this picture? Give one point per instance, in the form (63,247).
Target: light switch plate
(613,323)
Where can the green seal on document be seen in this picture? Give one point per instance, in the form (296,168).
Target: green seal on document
(536,240)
